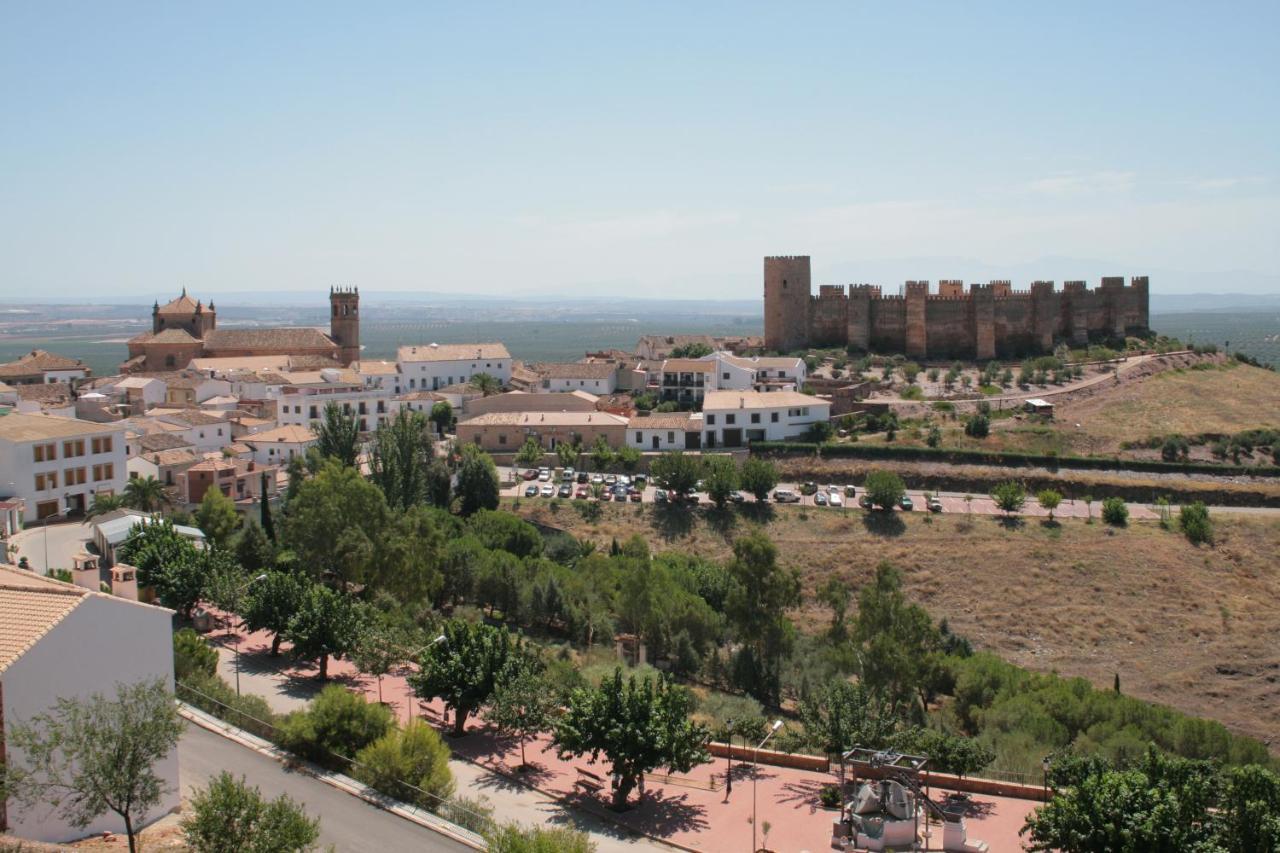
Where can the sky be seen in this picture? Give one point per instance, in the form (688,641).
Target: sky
(633,148)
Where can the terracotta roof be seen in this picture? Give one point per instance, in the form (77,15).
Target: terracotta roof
(376,368)
(48,392)
(175,456)
(463,388)
(24,427)
(533,419)
(420,395)
(574,369)
(38,361)
(688,365)
(452,352)
(281,339)
(182,305)
(292,434)
(668,420)
(30,606)
(190,417)
(157,441)
(758,400)
(168,336)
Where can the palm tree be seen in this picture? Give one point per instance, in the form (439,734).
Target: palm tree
(145,493)
(486,383)
(103,504)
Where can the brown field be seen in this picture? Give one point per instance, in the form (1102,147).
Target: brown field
(1194,628)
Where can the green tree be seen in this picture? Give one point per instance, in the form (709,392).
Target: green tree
(719,478)
(676,472)
(442,416)
(439,484)
(910,372)
(230,816)
(1049,499)
(637,726)
(399,458)
(326,624)
(935,436)
(896,643)
(380,648)
(264,510)
(1115,511)
(145,493)
(884,489)
(523,703)
(477,481)
(530,454)
(819,432)
(335,522)
(464,667)
(602,455)
(1195,523)
(192,654)
(506,532)
(486,383)
(168,563)
(977,426)
(217,517)
(629,458)
(271,603)
(840,716)
(254,550)
(410,764)
(758,476)
(568,453)
(87,757)
(335,726)
(103,504)
(760,594)
(696,349)
(338,436)
(1009,496)
(410,565)
(835,593)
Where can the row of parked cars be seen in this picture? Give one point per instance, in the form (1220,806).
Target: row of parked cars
(581,485)
(838,496)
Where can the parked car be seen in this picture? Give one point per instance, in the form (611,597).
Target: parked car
(582,492)
(935,505)
(624,480)
(567,475)
(660,496)
(544,475)
(850,491)
(611,479)
(834,498)
(620,493)
(606,495)
(906,503)
(565,491)
(531,490)
(547,490)
(582,477)
(865,502)
(737,497)
(808,488)
(819,498)
(635,495)
(785,496)
(530,474)
(597,479)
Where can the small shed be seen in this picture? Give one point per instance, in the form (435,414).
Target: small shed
(1038,406)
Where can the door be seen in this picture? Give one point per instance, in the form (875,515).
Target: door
(655,442)
(733,437)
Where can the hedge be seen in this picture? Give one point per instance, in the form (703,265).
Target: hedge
(956,456)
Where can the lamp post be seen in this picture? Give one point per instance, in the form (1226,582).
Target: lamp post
(1044,765)
(728,773)
(414,654)
(755,773)
(239,590)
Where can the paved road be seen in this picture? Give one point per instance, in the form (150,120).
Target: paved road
(348,823)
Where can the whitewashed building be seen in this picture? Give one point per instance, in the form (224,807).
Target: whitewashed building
(56,465)
(430,367)
(736,418)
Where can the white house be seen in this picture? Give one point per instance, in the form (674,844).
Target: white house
(142,392)
(208,431)
(736,418)
(594,377)
(666,431)
(763,373)
(57,465)
(302,402)
(277,446)
(59,641)
(39,367)
(433,366)
(379,374)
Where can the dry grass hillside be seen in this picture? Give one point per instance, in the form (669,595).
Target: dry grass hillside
(1191,627)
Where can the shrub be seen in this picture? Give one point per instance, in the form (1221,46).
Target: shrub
(513,838)
(829,796)
(977,426)
(211,694)
(336,722)
(230,816)
(473,814)
(410,764)
(192,654)
(884,488)
(912,392)
(1195,523)
(1115,511)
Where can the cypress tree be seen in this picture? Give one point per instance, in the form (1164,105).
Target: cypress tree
(264,510)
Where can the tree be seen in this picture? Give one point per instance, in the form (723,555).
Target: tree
(513,838)
(192,654)
(977,426)
(410,764)
(761,593)
(463,668)
(568,453)
(411,556)
(841,715)
(87,757)
(720,478)
(103,504)
(486,383)
(523,704)
(145,493)
(167,562)
(334,727)
(477,480)
(439,484)
(935,436)
(264,510)
(602,455)
(676,472)
(637,726)
(629,458)
(1049,500)
(271,603)
(1115,511)
(326,624)
(896,644)
(1009,496)
(335,522)
(1195,523)
(835,593)
(230,816)
(217,517)
(380,648)
(338,436)
(758,476)
(884,489)
(399,459)
(254,550)
(696,349)
(442,416)
(530,453)
(910,371)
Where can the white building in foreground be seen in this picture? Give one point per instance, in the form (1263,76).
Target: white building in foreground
(429,367)
(57,465)
(736,418)
(57,641)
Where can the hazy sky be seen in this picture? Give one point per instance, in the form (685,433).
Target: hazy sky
(638,148)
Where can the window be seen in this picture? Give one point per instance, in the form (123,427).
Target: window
(730,420)
(219,431)
(45,452)
(76,476)
(711,420)
(671,438)
(502,438)
(107,471)
(46,481)
(315,413)
(102,444)
(639,438)
(724,375)
(773,416)
(73,448)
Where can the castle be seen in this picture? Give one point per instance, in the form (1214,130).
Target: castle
(185,328)
(989,321)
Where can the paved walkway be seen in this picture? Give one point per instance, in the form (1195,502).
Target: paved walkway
(687,812)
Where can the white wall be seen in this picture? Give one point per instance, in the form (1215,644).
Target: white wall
(276,452)
(430,375)
(295,409)
(792,421)
(102,642)
(599,387)
(642,439)
(18,467)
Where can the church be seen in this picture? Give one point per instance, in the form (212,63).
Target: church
(186,328)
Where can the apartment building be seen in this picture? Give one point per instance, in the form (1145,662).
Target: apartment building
(506,432)
(277,446)
(736,418)
(302,402)
(56,465)
(431,367)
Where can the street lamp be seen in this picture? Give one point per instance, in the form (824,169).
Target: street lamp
(728,773)
(755,773)
(414,654)
(1044,765)
(239,590)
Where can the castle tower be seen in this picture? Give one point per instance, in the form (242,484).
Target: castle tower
(917,335)
(1043,314)
(344,322)
(786,302)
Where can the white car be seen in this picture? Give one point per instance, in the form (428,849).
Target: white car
(544,474)
(834,498)
(548,490)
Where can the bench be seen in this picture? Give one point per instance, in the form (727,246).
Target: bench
(588,780)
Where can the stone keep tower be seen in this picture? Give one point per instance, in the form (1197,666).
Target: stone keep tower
(786,302)
(344,322)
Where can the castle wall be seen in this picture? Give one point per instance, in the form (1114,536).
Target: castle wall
(1014,326)
(888,332)
(950,324)
(829,313)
